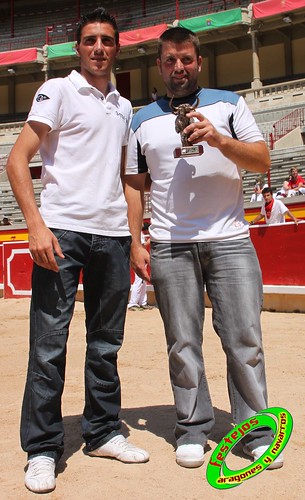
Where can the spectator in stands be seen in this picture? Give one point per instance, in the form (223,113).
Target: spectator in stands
(257,195)
(5,222)
(283,192)
(296,183)
(138,296)
(81,125)
(154,94)
(199,238)
(273,210)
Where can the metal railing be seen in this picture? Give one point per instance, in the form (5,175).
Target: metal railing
(288,123)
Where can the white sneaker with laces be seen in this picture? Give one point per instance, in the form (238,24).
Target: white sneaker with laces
(40,474)
(190,455)
(258,452)
(118,447)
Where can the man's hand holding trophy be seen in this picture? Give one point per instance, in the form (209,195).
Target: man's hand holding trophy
(181,122)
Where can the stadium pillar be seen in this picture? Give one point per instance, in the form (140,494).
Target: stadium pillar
(256,83)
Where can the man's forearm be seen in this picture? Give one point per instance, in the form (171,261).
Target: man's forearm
(253,157)
(135,201)
(257,219)
(22,186)
(18,170)
(134,194)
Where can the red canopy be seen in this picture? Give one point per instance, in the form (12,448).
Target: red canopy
(271,7)
(142,35)
(18,56)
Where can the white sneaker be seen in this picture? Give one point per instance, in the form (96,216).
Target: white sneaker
(118,447)
(190,455)
(40,475)
(258,452)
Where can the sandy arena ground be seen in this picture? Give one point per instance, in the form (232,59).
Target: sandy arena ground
(148,413)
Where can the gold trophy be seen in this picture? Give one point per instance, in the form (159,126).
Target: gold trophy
(181,122)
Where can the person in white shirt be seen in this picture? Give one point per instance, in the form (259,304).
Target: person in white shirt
(200,238)
(273,210)
(138,295)
(154,94)
(257,195)
(81,125)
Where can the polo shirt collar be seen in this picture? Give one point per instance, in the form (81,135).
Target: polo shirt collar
(80,83)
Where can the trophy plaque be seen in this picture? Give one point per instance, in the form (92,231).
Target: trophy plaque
(182,121)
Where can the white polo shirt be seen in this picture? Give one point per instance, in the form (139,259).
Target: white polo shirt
(82,189)
(196,198)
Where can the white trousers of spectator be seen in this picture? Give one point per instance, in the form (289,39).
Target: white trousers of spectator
(138,295)
(292,192)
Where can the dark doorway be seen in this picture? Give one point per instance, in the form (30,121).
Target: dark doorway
(123,84)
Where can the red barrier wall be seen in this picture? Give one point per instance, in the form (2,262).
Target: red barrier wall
(17,268)
(280,250)
(281,253)
(1,264)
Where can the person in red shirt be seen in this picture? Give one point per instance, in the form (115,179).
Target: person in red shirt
(296,183)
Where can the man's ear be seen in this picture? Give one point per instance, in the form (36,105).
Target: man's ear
(77,48)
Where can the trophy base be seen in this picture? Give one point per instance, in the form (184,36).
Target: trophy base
(185,151)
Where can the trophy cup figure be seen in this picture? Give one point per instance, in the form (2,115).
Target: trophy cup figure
(181,122)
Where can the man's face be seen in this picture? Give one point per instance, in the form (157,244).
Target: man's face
(267,197)
(97,50)
(179,68)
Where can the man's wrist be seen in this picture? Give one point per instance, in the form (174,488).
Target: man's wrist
(136,242)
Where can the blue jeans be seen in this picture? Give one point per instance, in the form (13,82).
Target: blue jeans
(104,262)
(231,273)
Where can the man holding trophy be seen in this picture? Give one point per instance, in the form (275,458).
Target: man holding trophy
(200,240)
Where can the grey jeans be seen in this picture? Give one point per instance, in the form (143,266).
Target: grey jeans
(231,273)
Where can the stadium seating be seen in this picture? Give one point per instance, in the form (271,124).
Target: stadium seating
(30,23)
(282,160)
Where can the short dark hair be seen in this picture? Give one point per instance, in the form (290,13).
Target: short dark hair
(267,190)
(179,35)
(97,15)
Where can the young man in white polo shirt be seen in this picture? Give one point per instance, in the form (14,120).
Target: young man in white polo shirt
(81,125)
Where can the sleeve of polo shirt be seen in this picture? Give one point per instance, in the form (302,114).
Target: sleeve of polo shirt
(128,128)
(244,123)
(46,106)
(136,161)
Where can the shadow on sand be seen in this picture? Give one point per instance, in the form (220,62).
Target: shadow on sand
(159,420)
